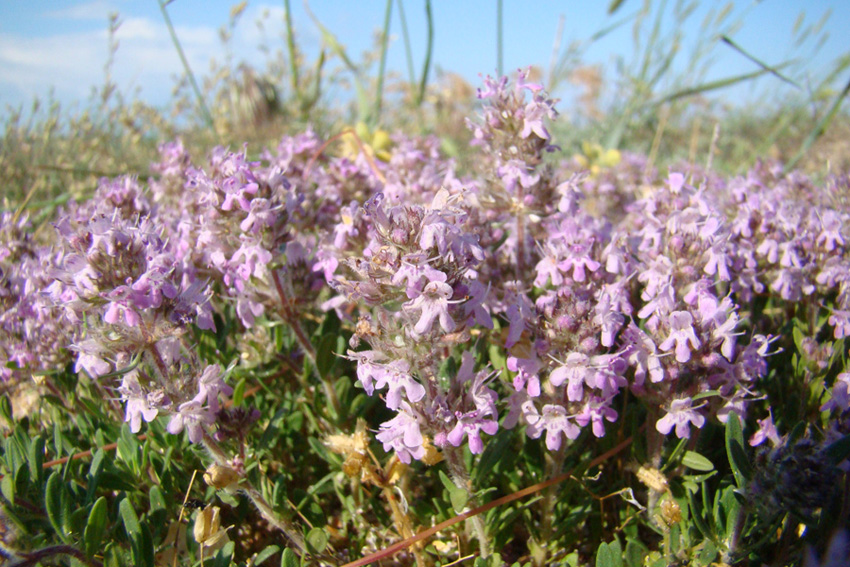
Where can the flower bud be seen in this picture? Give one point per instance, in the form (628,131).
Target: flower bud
(221,477)
(208,531)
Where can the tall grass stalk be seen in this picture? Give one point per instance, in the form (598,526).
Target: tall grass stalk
(202,105)
(820,127)
(429,48)
(382,66)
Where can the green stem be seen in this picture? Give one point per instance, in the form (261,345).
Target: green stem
(201,104)
(429,48)
(293,52)
(460,476)
(385,36)
(554,464)
(266,511)
(407,50)
(292,320)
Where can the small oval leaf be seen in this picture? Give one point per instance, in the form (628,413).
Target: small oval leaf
(317,540)
(289,559)
(697,462)
(95,527)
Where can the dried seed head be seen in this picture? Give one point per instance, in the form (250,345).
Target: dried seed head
(354,448)
(208,531)
(221,477)
(652,478)
(671,513)
(432,454)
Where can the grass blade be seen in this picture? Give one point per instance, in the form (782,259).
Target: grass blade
(758,62)
(200,97)
(819,128)
(429,48)
(710,86)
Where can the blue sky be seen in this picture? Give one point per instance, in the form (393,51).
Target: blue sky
(60,46)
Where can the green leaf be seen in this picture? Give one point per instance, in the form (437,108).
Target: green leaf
(731,507)
(131,521)
(7,488)
(56,504)
(94,474)
(224,555)
(317,540)
(697,517)
(457,495)
(128,449)
(635,551)
(609,555)
(675,457)
(280,494)
(496,450)
(706,394)
(95,527)
(697,462)
(289,559)
(708,553)
(36,459)
(140,537)
(735,451)
(157,499)
(239,392)
(325,355)
(6,410)
(265,554)
(14,453)
(839,450)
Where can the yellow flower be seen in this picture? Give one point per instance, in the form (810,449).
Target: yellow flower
(594,158)
(359,139)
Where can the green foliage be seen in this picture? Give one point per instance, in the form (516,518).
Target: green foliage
(117,498)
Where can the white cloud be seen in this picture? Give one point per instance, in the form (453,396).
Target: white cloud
(93,10)
(66,61)
(136,28)
(72,64)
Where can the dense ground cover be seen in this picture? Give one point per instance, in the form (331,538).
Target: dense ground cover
(375,344)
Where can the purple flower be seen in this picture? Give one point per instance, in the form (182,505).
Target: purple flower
(192,417)
(395,375)
(210,385)
(830,237)
(474,306)
(413,274)
(138,404)
(402,434)
(575,371)
(840,399)
(526,369)
(90,358)
(434,304)
(607,318)
(766,430)
(554,421)
(681,415)
(471,424)
(515,173)
(248,310)
(547,270)
(596,410)
(682,334)
(840,320)
(642,354)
